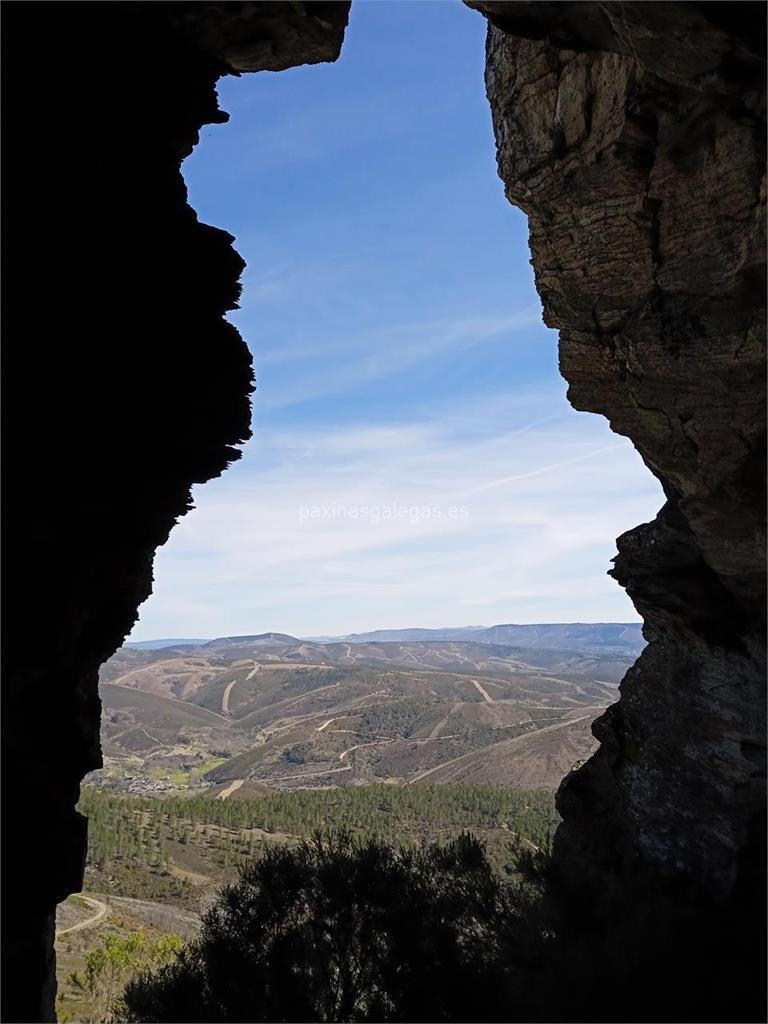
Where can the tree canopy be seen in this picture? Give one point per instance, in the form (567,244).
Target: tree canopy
(341,928)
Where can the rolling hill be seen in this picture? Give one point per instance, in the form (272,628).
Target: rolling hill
(289,713)
(599,637)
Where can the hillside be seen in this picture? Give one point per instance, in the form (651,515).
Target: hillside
(590,636)
(174,850)
(624,638)
(291,713)
(154,865)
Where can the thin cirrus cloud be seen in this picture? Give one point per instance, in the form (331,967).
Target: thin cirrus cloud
(382,353)
(402,367)
(255,559)
(541,470)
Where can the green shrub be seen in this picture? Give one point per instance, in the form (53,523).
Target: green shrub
(344,929)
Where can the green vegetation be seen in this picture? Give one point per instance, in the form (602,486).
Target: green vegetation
(305,679)
(209,765)
(150,848)
(110,965)
(354,927)
(127,825)
(396,720)
(297,754)
(348,929)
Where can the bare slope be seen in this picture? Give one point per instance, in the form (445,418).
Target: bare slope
(289,713)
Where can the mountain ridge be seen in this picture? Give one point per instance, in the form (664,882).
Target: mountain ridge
(553,635)
(289,713)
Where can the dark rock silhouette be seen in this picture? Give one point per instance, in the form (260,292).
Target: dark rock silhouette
(124,385)
(632,135)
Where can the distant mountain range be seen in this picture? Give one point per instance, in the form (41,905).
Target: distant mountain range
(596,637)
(508,704)
(156,645)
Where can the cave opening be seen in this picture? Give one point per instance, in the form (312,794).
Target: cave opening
(401,363)
(633,137)
(415,462)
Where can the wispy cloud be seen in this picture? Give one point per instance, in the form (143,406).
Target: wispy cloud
(541,470)
(375,355)
(542,540)
(400,363)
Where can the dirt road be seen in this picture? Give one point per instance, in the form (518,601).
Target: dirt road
(231,788)
(101,912)
(225,696)
(373,743)
(516,740)
(483,693)
(307,775)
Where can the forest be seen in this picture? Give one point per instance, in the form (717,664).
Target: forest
(138,844)
(120,824)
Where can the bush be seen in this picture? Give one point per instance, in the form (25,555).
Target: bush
(296,754)
(344,929)
(112,962)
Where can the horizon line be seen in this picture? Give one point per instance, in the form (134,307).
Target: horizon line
(383,629)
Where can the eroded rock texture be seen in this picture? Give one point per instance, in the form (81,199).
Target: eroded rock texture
(124,385)
(632,134)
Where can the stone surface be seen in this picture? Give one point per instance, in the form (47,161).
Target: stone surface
(264,36)
(632,135)
(124,385)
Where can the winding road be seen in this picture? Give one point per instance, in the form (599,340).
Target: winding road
(101,912)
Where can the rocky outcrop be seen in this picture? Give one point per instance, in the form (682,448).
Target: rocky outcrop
(124,385)
(632,135)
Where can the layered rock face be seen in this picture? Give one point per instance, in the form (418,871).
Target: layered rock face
(632,135)
(124,385)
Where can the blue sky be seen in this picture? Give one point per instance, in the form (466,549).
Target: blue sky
(414,460)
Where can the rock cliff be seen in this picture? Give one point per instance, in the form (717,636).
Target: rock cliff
(124,385)
(632,135)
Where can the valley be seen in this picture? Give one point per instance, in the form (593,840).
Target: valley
(290,713)
(215,752)
(155,863)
